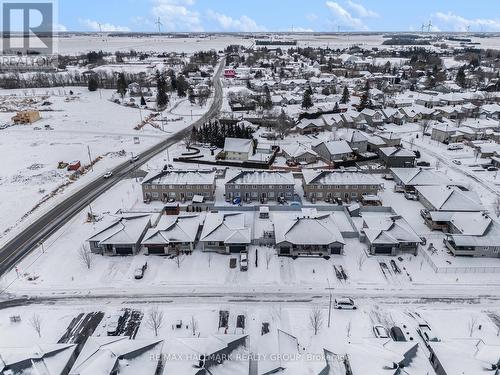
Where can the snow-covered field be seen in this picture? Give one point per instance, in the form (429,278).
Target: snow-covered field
(80,122)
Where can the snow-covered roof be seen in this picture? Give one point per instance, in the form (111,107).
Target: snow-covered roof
(263,178)
(397,152)
(105,355)
(467,223)
(307,230)
(327,177)
(174,229)
(465,356)
(228,227)
(383,229)
(45,359)
(450,198)
(420,176)
(297,150)
(180,177)
(239,145)
(335,147)
(306,123)
(123,230)
(491,237)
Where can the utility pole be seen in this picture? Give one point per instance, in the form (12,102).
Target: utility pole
(90,159)
(329,303)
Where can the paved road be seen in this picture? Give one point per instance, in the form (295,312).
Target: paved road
(14,250)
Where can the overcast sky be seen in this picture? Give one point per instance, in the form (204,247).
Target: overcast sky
(278,15)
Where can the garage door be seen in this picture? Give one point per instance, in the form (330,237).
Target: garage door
(382,250)
(155,250)
(336,250)
(237,248)
(126,250)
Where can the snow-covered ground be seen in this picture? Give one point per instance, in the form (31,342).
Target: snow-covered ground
(82,122)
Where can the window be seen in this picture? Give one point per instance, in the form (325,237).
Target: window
(189,194)
(155,195)
(254,186)
(288,195)
(353,194)
(254,194)
(280,186)
(236,186)
(153,187)
(271,194)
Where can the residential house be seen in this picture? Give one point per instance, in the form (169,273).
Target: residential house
(446,133)
(308,235)
(480,238)
(179,185)
(226,232)
(173,234)
(299,153)
(396,157)
(260,185)
(110,355)
(388,234)
(392,116)
(309,126)
(122,237)
(238,148)
(409,178)
(36,359)
(329,185)
(372,117)
(333,150)
(448,198)
(357,141)
(464,356)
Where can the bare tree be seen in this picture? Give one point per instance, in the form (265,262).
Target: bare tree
(269,257)
(316,319)
(472,324)
(36,322)
(155,319)
(349,326)
(194,325)
(179,259)
(86,256)
(361,261)
(424,125)
(188,140)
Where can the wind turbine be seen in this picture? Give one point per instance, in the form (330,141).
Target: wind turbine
(159,24)
(428,26)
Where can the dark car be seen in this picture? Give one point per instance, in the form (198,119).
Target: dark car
(423,164)
(397,334)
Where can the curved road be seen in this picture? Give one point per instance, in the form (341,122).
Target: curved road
(14,250)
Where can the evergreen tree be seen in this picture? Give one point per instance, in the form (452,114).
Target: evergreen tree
(191,97)
(93,84)
(143,101)
(161,93)
(460,78)
(364,102)
(121,85)
(336,108)
(345,95)
(267,103)
(182,85)
(307,98)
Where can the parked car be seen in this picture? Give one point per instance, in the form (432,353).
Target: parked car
(243,261)
(112,324)
(388,177)
(380,332)
(108,174)
(133,159)
(139,271)
(457,162)
(423,164)
(410,195)
(454,147)
(492,169)
(344,304)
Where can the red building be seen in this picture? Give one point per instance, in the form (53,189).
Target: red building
(229,73)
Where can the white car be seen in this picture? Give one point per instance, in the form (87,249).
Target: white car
(108,174)
(344,304)
(243,261)
(380,332)
(457,162)
(112,324)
